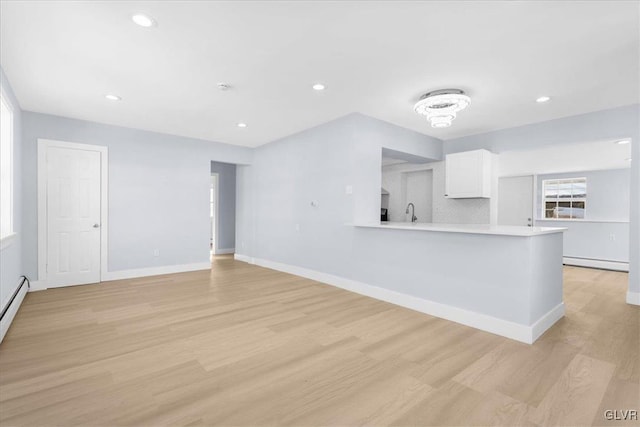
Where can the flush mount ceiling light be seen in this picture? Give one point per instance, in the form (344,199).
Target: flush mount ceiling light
(242,125)
(111,97)
(223,86)
(441,106)
(143,20)
(318,86)
(623,141)
(543,99)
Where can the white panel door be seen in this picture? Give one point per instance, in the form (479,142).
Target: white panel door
(515,201)
(73,216)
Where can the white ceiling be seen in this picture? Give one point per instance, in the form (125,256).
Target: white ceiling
(376,58)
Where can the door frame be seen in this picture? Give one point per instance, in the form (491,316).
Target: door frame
(43,146)
(216,211)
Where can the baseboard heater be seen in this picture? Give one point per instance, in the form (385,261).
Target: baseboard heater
(596,263)
(7,309)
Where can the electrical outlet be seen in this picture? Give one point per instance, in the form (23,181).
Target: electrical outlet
(348,189)
(156,252)
(612,237)
(298,228)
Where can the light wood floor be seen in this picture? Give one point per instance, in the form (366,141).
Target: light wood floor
(243,345)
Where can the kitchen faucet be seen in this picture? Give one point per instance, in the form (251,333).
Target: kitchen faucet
(414,218)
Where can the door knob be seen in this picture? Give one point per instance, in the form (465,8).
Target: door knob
(96,225)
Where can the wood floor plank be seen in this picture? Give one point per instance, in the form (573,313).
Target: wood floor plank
(518,371)
(575,397)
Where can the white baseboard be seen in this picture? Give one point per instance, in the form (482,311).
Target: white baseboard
(596,263)
(12,311)
(41,285)
(546,321)
(38,285)
(505,328)
(155,271)
(633,298)
(224,251)
(243,258)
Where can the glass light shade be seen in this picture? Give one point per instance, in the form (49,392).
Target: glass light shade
(441,121)
(441,109)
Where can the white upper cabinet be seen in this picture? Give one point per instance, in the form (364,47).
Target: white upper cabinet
(468,174)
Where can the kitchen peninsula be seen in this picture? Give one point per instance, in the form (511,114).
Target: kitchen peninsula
(502,279)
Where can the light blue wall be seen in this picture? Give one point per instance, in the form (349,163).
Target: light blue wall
(158,190)
(617,123)
(226,236)
(11,256)
(276,220)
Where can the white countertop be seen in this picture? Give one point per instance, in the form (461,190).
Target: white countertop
(500,230)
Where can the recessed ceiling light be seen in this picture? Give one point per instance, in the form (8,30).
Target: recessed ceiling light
(318,86)
(224,86)
(543,99)
(143,20)
(113,97)
(623,141)
(242,125)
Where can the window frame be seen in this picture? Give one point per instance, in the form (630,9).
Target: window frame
(7,239)
(558,200)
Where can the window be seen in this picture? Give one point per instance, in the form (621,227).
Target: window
(6,168)
(564,198)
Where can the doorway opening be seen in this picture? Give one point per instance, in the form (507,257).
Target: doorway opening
(222,209)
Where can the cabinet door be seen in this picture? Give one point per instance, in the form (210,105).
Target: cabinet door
(464,174)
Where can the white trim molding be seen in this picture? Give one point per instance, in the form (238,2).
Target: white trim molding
(43,145)
(12,311)
(596,263)
(38,285)
(633,298)
(523,333)
(155,271)
(7,102)
(546,321)
(215,176)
